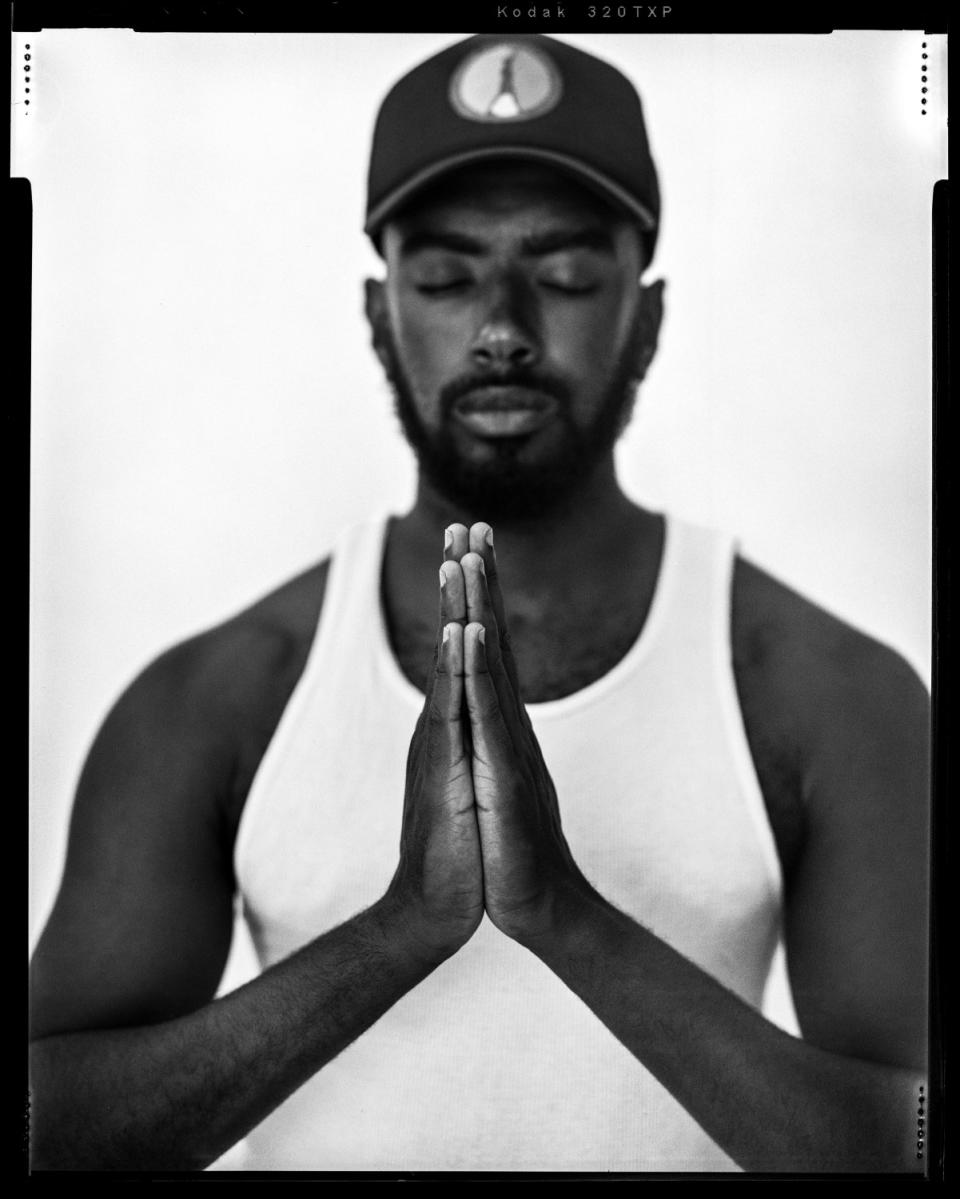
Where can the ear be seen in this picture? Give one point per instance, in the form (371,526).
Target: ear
(649,317)
(375,307)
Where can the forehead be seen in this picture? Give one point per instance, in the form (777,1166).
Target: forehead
(507,196)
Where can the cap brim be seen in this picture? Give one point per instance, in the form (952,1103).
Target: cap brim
(594,179)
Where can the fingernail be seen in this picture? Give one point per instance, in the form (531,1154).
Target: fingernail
(446,634)
(443,577)
(447,539)
(482,635)
(488,537)
(483,569)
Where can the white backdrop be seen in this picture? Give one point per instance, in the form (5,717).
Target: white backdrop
(207,412)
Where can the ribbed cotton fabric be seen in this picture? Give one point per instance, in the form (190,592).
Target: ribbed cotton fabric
(492,1063)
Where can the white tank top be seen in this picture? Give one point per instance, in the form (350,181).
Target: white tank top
(491,1063)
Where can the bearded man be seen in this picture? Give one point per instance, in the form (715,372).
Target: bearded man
(514,845)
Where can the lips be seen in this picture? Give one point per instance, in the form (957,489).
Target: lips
(504,410)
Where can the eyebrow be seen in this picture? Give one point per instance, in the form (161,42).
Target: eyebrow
(591,238)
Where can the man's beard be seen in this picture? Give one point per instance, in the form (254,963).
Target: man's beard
(507,487)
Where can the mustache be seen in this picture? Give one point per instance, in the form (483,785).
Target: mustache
(534,380)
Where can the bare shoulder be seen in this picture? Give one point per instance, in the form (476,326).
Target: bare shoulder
(795,650)
(262,645)
(818,696)
(235,679)
(142,922)
(180,745)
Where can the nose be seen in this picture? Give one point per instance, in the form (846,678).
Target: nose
(506,337)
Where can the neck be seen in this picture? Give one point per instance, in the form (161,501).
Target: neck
(578,543)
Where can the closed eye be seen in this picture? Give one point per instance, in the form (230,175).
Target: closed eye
(447,287)
(569,289)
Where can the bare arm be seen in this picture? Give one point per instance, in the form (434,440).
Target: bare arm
(772,1102)
(177,1094)
(845,1097)
(134,1066)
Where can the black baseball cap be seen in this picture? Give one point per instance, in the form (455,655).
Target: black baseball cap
(524,96)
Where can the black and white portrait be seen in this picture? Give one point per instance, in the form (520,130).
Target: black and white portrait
(683,444)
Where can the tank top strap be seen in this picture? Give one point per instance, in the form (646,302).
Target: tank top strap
(701,613)
(693,589)
(351,603)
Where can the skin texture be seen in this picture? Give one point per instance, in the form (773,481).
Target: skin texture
(540,308)
(135,1065)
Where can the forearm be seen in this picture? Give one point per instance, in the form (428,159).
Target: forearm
(771,1101)
(176,1095)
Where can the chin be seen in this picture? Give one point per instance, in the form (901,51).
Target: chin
(505,494)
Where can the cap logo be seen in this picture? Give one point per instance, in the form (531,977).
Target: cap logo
(505,82)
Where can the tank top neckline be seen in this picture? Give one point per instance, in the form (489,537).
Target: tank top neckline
(619,673)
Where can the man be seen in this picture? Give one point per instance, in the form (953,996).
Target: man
(547,952)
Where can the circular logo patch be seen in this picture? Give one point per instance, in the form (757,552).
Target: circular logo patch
(505,82)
